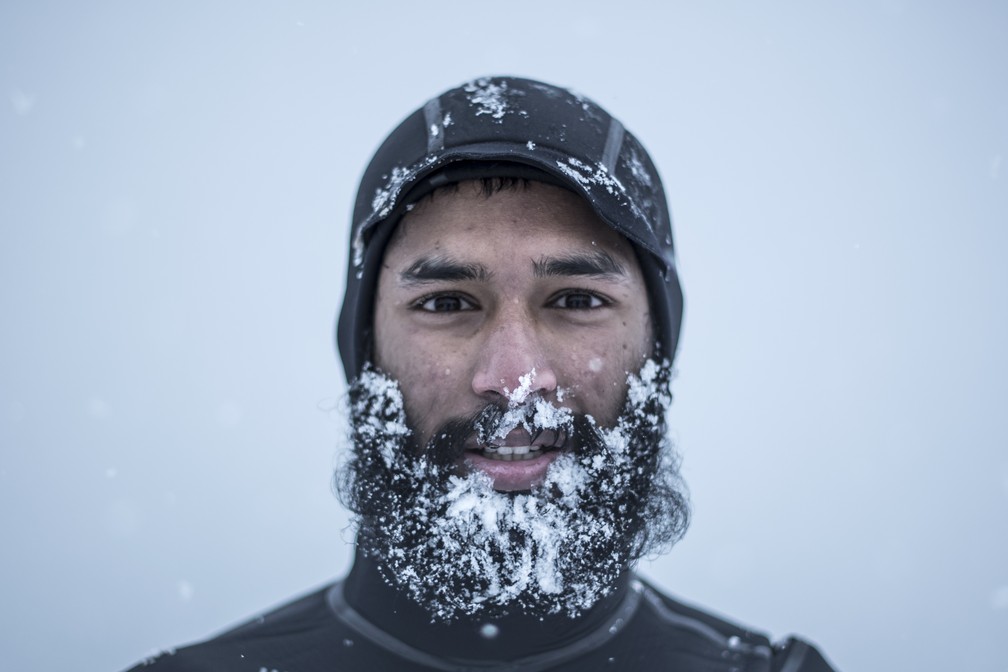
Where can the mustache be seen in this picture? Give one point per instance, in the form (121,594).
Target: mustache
(563,429)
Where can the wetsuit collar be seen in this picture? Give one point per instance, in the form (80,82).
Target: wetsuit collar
(366,596)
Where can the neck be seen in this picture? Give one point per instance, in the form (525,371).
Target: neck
(510,637)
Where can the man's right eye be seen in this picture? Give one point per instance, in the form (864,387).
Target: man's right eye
(444,303)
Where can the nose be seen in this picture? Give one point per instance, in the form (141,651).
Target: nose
(512,358)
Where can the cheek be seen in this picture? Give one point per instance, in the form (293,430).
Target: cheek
(596,373)
(429,378)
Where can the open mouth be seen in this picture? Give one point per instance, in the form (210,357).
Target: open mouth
(519,446)
(513,453)
(519,461)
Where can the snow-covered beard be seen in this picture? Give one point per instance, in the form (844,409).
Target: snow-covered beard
(459,548)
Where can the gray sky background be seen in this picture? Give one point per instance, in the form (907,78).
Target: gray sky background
(175,184)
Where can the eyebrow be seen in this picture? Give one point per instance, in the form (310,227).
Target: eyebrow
(598,264)
(442,268)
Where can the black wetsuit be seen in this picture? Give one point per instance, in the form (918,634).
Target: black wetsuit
(363,624)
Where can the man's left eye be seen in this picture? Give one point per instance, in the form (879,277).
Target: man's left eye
(444,303)
(578,301)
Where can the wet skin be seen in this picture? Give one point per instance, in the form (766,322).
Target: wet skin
(476,291)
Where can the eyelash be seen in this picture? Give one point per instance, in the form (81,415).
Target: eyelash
(602,301)
(472,305)
(419,303)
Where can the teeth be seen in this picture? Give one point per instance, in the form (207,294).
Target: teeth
(511,453)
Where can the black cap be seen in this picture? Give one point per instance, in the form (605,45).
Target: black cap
(510,127)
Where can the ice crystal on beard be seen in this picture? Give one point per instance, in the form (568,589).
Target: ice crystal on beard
(532,412)
(380,415)
(459,548)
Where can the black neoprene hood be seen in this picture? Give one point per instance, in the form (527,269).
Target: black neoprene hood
(510,127)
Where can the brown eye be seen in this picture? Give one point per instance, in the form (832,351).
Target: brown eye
(445,303)
(578,301)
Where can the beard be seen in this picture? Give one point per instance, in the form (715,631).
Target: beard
(459,548)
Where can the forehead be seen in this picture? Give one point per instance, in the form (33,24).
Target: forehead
(518,214)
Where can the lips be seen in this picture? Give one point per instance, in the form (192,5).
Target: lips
(517,463)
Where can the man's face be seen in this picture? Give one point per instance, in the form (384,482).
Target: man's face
(488,299)
(510,452)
